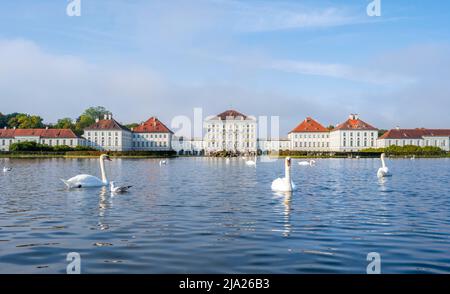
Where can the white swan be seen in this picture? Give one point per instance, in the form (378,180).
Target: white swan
(284,184)
(383,171)
(162,162)
(6,169)
(83,181)
(251,162)
(305,163)
(118,189)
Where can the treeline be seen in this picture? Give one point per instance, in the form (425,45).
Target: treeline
(36,147)
(33,148)
(407,150)
(27,121)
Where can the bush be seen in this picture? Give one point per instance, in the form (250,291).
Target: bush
(122,153)
(407,150)
(29,146)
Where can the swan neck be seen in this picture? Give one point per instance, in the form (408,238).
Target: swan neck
(102,170)
(287,172)
(383,164)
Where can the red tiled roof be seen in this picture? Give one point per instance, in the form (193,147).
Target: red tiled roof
(231,114)
(415,133)
(354,124)
(309,125)
(42,133)
(107,124)
(152,125)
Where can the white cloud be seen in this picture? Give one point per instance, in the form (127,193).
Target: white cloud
(34,81)
(276,17)
(364,73)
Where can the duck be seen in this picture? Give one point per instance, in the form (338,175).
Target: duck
(118,189)
(307,162)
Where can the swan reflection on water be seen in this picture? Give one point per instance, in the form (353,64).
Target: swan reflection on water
(285,198)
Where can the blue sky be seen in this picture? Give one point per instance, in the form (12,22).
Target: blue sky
(324,59)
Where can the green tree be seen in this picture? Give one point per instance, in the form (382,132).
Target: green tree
(65,123)
(330,127)
(381,132)
(88,118)
(96,112)
(3,121)
(132,125)
(25,121)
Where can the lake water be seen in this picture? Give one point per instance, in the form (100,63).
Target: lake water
(201,215)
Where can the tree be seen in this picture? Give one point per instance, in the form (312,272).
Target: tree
(3,121)
(330,127)
(88,118)
(96,112)
(132,125)
(65,123)
(25,121)
(381,132)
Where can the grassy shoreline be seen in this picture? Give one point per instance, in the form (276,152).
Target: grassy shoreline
(87,156)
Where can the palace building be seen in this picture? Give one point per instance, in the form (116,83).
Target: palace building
(309,135)
(230,131)
(417,137)
(353,135)
(152,135)
(51,137)
(109,135)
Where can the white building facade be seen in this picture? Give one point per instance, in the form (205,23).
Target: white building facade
(108,135)
(309,135)
(51,137)
(353,135)
(187,146)
(152,135)
(416,137)
(230,131)
(273,145)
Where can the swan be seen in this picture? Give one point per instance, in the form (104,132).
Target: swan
(118,189)
(284,184)
(6,169)
(305,163)
(82,181)
(227,160)
(251,162)
(162,162)
(383,171)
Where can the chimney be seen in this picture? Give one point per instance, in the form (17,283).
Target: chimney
(110,116)
(105,116)
(397,128)
(354,116)
(97,120)
(46,127)
(4,128)
(14,128)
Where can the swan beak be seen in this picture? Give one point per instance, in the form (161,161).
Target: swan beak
(107,158)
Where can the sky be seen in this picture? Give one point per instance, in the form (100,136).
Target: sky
(292,59)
